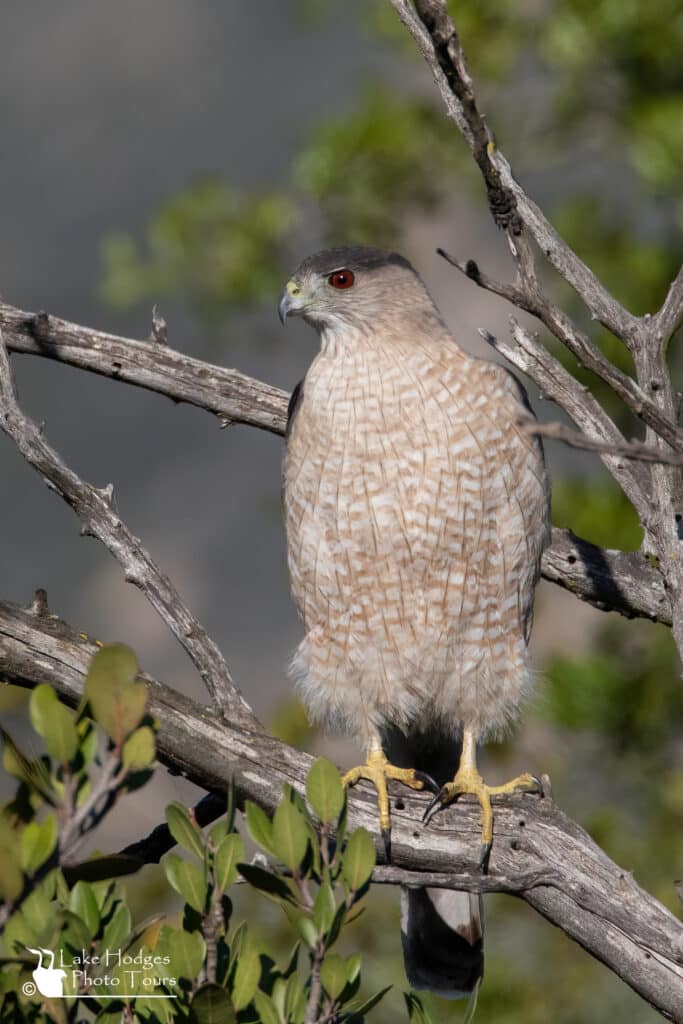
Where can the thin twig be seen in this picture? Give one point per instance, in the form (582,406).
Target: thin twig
(94,508)
(637,450)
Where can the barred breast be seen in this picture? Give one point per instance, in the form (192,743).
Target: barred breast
(416,514)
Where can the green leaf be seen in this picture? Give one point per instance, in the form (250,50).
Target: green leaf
(211,1004)
(37,843)
(183,830)
(295,1000)
(358,859)
(139,750)
(325,907)
(265,1008)
(185,949)
(11,878)
(218,832)
(54,723)
(247,975)
(83,903)
(417,1011)
(260,826)
(117,702)
(353,966)
(369,1004)
(333,975)
(75,933)
(290,836)
(266,882)
(324,790)
(306,928)
(187,879)
(117,929)
(226,858)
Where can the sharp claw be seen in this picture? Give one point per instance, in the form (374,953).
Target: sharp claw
(484,854)
(432,808)
(427,781)
(386,837)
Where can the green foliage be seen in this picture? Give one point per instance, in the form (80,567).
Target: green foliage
(373,167)
(217,247)
(199,967)
(117,702)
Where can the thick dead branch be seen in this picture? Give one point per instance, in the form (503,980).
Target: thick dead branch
(94,509)
(232,396)
(538,853)
(609,580)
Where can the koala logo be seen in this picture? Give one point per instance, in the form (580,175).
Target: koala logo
(49,980)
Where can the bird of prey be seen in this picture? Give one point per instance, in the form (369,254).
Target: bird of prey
(416,511)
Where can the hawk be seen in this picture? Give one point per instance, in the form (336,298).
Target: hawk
(416,512)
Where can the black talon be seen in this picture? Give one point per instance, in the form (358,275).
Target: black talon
(432,808)
(484,854)
(386,838)
(427,781)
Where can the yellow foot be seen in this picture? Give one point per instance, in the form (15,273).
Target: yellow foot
(468,780)
(378,771)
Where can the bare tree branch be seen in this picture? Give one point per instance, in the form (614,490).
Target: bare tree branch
(529,355)
(437,40)
(435,33)
(637,450)
(670,317)
(232,396)
(609,580)
(538,853)
(94,509)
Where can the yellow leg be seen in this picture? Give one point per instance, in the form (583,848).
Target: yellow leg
(468,780)
(378,771)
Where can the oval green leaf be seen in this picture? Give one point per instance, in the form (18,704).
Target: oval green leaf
(185,949)
(54,723)
(260,826)
(139,750)
(324,790)
(83,903)
(188,880)
(247,975)
(183,830)
(211,1004)
(226,858)
(116,700)
(37,843)
(290,835)
(358,859)
(333,975)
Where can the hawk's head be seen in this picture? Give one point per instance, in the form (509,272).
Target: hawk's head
(353,286)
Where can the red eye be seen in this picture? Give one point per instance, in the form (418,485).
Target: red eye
(341,279)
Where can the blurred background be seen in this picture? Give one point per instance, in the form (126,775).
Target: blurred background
(189,156)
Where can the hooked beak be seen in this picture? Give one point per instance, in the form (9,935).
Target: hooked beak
(290,303)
